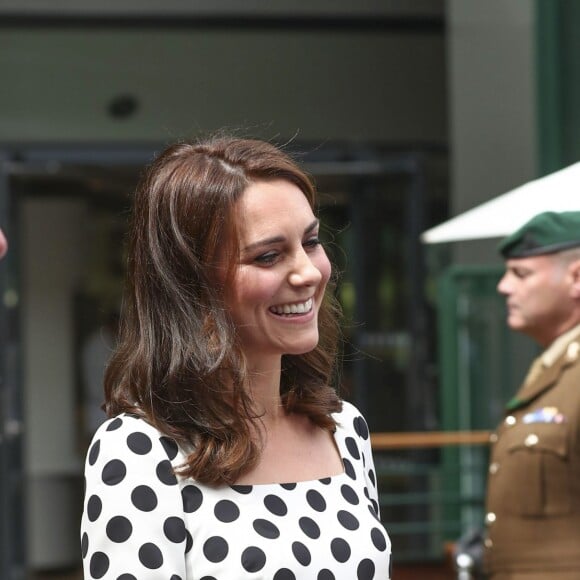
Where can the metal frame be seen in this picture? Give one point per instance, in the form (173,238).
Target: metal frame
(12,504)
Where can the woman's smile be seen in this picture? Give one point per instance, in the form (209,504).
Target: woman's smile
(297,308)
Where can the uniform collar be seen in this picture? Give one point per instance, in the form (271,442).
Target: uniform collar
(566,350)
(559,346)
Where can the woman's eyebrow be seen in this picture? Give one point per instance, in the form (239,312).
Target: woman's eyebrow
(277,239)
(312,226)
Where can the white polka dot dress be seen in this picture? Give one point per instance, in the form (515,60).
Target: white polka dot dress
(141,522)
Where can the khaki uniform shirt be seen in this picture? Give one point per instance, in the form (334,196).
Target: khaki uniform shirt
(533,491)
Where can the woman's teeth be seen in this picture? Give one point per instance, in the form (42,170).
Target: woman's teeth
(299,308)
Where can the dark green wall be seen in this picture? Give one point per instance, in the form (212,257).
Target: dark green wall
(558,62)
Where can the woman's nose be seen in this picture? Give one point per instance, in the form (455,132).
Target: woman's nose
(304,271)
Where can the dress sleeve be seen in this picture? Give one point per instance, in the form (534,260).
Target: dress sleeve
(132,525)
(358,435)
(368,462)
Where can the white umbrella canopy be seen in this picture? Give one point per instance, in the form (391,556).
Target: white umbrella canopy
(502,215)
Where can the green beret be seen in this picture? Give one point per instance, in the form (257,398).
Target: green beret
(546,233)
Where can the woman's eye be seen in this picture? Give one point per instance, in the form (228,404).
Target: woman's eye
(268,258)
(312,242)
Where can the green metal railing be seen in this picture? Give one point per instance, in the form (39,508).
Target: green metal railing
(420,505)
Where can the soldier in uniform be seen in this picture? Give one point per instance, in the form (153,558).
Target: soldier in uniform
(533,492)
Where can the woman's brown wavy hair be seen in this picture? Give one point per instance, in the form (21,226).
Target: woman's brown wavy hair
(178,362)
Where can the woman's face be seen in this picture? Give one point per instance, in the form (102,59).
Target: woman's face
(282,272)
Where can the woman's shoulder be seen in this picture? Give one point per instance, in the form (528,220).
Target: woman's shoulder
(128,433)
(123,424)
(348,411)
(350,418)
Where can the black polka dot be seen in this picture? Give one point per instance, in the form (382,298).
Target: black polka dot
(170,447)
(340,550)
(365,570)
(119,529)
(114,424)
(347,520)
(94,507)
(84,545)
(372,477)
(226,511)
(174,529)
(208,578)
(378,539)
(253,559)
(361,427)
(94,452)
(243,489)
(144,498)
(139,443)
(349,494)
(99,565)
(325,480)
(215,549)
(284,574)
(275,505)
(176,577)
(192,498)
(349,469)
(114,472)
(309,527)
(315,500)
(126,577)
(150,556)
(288,486)
(352,447)
(266,529)
(188,541)
(325,575)
(165,473)
(374,507)
(301,553)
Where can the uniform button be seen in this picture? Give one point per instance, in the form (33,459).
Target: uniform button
(510,420)
(488,543)
(531,440)
(493,438)
(493,467)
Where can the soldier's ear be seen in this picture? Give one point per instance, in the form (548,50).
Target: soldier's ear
(574,272)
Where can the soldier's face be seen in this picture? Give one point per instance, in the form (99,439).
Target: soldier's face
(538,300)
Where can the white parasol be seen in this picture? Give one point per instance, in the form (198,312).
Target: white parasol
(502,215)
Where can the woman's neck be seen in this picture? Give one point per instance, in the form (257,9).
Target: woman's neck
(265,388)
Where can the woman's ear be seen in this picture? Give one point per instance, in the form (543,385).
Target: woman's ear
(574,273)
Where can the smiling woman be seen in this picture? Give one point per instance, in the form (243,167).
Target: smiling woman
(228,453)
